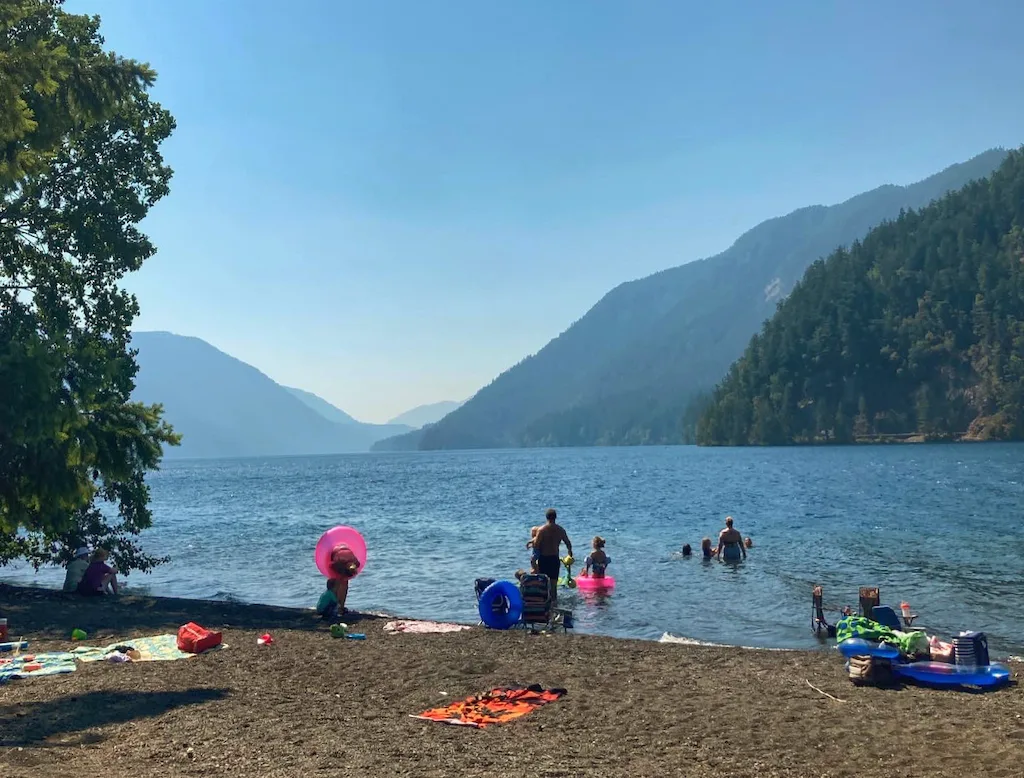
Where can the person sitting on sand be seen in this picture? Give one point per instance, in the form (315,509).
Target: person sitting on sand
(547,542)
(76,570)
(747,542)
(345,564)
(730,541)
(705,548)
(597,560)
(331,604)
(99,577)
(687,551)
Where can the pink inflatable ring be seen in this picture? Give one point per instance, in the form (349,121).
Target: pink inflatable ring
(589,583)
(346,537)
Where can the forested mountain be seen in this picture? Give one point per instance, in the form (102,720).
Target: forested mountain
(224,407)
(916,330)
(626,372)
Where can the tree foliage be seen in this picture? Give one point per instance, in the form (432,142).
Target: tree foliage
(918,330)
(80,167)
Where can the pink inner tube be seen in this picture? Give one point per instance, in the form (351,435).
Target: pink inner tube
(339,536)
(589,583)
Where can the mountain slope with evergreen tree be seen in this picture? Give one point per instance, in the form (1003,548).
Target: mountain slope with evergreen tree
(918,330)
(627,371)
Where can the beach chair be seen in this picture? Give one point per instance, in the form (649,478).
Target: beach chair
(538,605)
(819,624)
(886,616)
(482,583)
(870,598)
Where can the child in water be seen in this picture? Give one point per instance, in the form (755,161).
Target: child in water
(596,560)
(535,556)
(705,547)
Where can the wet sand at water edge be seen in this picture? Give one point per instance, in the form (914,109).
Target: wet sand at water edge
(312,705)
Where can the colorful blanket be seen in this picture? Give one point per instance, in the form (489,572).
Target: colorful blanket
(909,643)
(156,648)
(497,706)
(423,627)
(36,665)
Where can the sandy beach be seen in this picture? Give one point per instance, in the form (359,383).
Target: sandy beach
(310,704)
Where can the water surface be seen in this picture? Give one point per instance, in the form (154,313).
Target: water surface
(938,526)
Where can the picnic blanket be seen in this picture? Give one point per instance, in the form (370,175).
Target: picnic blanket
(497,706)
(423,627)
(156,648)
(49,663)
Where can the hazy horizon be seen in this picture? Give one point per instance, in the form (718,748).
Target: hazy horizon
(404,201)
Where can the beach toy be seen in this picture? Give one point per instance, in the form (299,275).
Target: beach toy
(78,634)
(339,630)
(31,667)
(330,540)
(945,674)
(588,583)
(264,639)
(861,647)
(500,605)
(356,636)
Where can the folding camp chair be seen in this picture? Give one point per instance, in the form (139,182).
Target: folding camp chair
(538,605)
(869,599)
(819,624)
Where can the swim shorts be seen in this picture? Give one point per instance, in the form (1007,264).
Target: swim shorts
(549,566)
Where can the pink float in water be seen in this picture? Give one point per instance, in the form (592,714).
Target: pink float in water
(589,583)
(347,537)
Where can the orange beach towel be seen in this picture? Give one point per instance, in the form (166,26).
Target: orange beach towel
(494,707)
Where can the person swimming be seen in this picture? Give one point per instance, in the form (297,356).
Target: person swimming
(730,543)
(706,550)
(597,561)
(747,542)
(687,551)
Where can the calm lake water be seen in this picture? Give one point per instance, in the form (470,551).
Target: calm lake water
(938,526)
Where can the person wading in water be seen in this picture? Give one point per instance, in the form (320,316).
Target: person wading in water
(547,542)
(730,543)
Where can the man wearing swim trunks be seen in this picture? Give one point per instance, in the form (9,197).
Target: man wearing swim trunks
(730,541)
(547,542)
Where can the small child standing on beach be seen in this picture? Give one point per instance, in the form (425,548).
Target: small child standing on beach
(597,560)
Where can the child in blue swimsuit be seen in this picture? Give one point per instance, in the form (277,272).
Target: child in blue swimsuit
(597,561)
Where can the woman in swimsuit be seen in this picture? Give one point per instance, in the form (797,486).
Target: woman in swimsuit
(597,561)
(730,541)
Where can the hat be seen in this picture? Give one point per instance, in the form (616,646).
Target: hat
(83,551)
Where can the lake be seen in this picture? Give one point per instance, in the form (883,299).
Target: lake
(938,526)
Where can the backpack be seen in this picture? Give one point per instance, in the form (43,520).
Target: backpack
(869,671)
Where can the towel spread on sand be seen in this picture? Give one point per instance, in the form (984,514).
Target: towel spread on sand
(49,663)
(423,627)
(494,707)
(156,648)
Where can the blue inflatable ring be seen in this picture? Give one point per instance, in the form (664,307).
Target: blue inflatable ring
(501,605)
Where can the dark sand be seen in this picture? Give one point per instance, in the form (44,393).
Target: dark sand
(312,705)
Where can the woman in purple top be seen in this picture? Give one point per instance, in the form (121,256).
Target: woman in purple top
(99,577)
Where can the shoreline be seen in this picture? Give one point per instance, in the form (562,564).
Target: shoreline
(309,704)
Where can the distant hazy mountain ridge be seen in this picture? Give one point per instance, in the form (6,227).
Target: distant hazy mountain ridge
(224,407)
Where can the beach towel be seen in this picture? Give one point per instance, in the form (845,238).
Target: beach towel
(36,665)
(423,627)
(909,643)
(156,648)
(497,706)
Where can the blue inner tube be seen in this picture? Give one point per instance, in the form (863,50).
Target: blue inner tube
(942,674)
(860,647)
(501,605)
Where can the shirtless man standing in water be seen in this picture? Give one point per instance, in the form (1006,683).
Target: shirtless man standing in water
(547,542)
(730,541)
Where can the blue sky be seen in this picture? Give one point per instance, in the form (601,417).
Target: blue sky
(390,203)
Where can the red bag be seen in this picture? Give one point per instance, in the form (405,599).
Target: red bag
(194,639)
